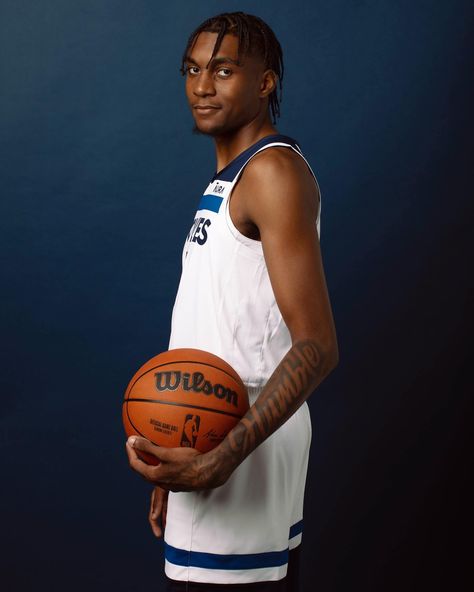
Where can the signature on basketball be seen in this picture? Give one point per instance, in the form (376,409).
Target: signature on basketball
(213,435)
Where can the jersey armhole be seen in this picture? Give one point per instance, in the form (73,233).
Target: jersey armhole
(254,244)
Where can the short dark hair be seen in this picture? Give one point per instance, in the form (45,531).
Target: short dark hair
(255,38)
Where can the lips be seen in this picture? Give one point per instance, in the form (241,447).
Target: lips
(206,108)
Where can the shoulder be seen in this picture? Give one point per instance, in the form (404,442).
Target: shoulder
(278,161)
(279,177)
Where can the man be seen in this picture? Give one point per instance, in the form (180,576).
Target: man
(253,292)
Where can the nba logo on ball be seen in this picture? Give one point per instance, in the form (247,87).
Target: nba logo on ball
(190,431)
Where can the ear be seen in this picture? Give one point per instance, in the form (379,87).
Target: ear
(268,83)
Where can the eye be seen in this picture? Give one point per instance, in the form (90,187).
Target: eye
(224,72)
(192,70)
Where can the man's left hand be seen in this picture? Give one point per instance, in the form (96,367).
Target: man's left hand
(180,469)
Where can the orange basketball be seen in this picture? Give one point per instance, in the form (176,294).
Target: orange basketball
(184,397)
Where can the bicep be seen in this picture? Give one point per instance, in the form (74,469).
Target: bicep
(286,218)
(295,267)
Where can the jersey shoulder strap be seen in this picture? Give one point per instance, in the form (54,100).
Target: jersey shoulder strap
(231,172)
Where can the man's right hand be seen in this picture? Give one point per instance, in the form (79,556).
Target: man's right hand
(158,509)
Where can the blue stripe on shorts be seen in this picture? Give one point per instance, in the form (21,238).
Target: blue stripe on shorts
(296,529)
(216,561)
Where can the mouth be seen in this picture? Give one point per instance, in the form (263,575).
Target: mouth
(202,109)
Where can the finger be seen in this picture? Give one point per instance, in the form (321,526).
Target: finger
(155,527)
(151,513)
(145,445)
(164,511)
(137,464)
(157,498)
(156,502)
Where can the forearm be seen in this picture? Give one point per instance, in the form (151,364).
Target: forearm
(185,469)
(295,378)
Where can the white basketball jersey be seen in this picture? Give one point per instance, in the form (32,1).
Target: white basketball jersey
(225,303)
(242,531)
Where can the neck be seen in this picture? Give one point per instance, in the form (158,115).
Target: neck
(230,145)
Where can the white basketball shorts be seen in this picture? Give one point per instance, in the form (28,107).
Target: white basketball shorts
(242,531)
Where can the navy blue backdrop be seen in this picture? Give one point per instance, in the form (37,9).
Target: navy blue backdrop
(100,175)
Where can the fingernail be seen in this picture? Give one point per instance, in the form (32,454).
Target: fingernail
(131,441)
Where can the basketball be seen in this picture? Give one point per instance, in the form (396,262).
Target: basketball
(184,397)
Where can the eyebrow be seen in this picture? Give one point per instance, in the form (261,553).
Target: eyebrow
(215,61)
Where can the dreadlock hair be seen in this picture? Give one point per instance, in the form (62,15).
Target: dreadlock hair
(255,38)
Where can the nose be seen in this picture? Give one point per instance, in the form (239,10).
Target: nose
(204,84)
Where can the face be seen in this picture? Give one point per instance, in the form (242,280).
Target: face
(224,96)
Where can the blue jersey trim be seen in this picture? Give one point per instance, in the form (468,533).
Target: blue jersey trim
(296,529)
(216,561)
(229,172)
(210,202)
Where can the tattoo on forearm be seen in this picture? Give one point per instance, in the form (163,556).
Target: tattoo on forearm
(298,374)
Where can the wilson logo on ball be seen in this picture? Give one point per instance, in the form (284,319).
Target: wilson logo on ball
(196,382)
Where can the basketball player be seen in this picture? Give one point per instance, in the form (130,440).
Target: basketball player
(253,292)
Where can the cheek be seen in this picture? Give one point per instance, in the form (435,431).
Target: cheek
(239,97)
(187,88)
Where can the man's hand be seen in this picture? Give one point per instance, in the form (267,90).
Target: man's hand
(180,469)
(158,510)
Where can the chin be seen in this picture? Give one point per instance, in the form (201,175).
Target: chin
(200,131)
(206,130)
(213,130)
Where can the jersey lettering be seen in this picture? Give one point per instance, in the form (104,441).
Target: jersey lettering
(218,188)
(198,232)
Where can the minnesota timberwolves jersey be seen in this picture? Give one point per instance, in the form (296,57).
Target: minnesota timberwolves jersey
(225,303)
(242,531)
